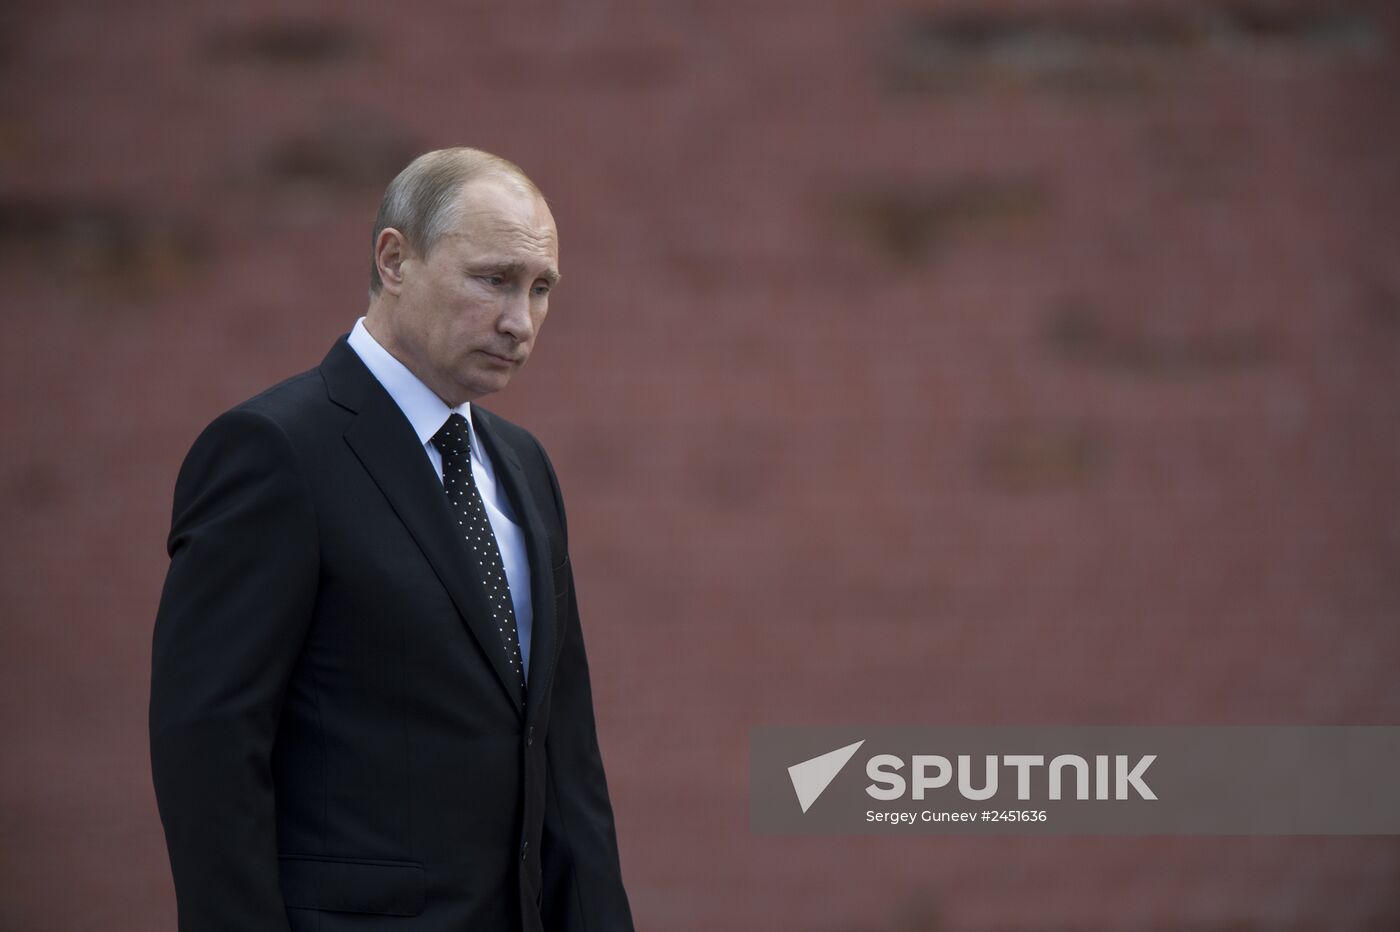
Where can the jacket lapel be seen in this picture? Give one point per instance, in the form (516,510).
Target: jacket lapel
(544,624)
(385,443)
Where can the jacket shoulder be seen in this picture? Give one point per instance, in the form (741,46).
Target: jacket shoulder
(285,417)
(297,406)
(290,401)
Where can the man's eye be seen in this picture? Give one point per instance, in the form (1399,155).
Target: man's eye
(494,280)
(541,289)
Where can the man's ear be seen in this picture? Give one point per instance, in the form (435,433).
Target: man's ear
(390,253)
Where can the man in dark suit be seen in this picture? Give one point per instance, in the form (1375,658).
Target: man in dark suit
(370,701)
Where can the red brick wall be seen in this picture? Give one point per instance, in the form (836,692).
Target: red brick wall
(957,362)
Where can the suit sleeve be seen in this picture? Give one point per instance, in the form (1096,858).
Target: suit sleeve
(237,600)
(583,889)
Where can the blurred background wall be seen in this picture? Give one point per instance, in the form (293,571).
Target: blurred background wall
(953,362)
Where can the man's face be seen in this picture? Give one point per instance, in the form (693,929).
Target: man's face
(467,314)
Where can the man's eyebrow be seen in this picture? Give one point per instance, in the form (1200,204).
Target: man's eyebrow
(515,268)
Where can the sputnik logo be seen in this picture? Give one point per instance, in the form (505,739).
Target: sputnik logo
(811,777)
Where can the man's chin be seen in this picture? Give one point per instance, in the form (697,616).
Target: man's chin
(486,383)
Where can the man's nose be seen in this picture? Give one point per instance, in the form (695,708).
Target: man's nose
(515,318)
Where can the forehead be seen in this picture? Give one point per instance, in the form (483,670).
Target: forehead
(502,216)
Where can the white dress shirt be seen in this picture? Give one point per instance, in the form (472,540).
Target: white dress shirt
(427,413)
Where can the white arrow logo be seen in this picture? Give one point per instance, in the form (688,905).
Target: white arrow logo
(811,777)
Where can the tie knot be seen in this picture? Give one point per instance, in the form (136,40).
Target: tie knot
(454,437)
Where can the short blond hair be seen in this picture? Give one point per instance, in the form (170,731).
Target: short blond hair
(418,202)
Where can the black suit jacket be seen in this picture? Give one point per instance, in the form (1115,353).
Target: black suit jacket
(337,740)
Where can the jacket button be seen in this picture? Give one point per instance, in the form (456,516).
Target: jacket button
(524,850)
(530,736)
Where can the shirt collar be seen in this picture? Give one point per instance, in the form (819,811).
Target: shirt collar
(423,408)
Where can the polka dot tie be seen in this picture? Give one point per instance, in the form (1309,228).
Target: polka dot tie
(454,442)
